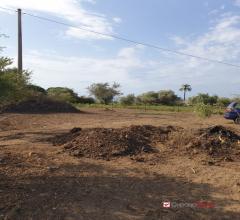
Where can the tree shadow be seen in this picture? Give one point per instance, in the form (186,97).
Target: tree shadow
(90,191)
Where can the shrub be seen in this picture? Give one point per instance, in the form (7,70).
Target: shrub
(103,92)
(86,100)
(128,100)
(203,110)
(203,98)
(62,94)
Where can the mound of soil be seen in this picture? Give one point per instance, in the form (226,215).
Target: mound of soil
(216,141)
(136,141)
(40,105)
(107,143)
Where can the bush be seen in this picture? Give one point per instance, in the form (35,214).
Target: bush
(13,85)
(128,100)
(62,94)
(35,90)
(167,97)
(103,92)
(86,100)
(203,110)
(223,102)
(203,98)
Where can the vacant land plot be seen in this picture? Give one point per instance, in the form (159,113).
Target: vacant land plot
(121,164)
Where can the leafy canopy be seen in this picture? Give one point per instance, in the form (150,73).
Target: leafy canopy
(62,94)
(103,92)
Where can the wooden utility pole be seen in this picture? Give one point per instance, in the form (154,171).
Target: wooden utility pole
(20,62)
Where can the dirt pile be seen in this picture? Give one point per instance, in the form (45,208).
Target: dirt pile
(107,143)
(216,141)
(40,105)
(136,141)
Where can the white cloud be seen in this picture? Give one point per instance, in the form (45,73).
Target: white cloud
(137,73)
(217,10)
(117,20)
(79,72)
(72,11)
(221,42)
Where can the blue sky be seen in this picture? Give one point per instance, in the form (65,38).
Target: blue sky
(63,56)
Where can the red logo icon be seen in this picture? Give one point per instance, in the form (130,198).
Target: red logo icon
(166,204)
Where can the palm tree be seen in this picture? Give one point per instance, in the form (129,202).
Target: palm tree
(185,88)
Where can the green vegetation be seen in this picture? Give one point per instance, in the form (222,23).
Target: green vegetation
(159,108)
(13,86)
(203,110)
(211,100)
(128,100)
(62,94)
(185,88)
(36,90)
(103,92)
(163,97)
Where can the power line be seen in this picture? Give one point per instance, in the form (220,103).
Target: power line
(8,9)
(127,40)
(86,13)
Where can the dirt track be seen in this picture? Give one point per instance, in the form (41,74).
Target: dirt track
(38,181)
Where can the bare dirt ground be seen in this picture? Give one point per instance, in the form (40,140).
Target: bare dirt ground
(40,181)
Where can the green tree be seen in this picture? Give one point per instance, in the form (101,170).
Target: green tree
(149,98)
(222,101)
(86,100)
(5,62)
(62,94)
(103,92)
(128,100)
(167,97)
(185,88)
(204,98)
(36,90)
(13,86)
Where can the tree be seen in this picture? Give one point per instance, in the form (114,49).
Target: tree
(185,88)
(222,101)
(204,98)
(13,85)
(103,92)
(167,97)
(149,98)
(4,63)
(86,100)
(128,100)
(62,94)
(36,90)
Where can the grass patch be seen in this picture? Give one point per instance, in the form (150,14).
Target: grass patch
(202,110)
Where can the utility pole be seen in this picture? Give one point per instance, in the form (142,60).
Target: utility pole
(20,62)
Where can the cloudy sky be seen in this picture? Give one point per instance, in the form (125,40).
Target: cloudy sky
(63,56)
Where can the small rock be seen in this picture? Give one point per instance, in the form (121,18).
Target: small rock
(211,163)
(53,168)
(76,130)
(131,208)
(228,159)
